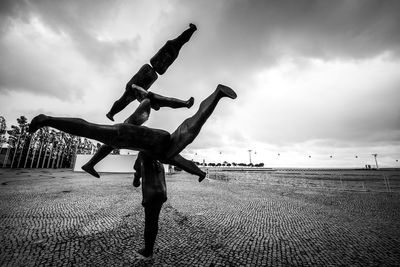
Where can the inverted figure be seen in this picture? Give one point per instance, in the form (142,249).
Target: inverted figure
(147,74)
(157,143)
(154,191)
(147,101)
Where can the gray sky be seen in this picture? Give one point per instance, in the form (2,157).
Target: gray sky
(315,78)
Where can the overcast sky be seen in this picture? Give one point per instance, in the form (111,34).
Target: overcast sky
(313,78)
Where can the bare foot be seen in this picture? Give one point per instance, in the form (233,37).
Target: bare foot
(136,181)
(145,253)
(191,25)
(190,102)
(226,91)
(89,169)
(201,178)
(37,123)
(108,115)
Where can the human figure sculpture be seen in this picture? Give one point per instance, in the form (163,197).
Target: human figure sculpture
(157,143)
(148,100)
(147,74)
(170,51)
(154,192)
(154,189)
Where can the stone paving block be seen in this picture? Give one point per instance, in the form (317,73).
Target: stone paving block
(62,218)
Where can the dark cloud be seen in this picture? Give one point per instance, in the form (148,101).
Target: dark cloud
(78,22)
(81,20)
(238,37)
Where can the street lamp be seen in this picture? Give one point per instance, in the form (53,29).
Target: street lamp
(376,161)
(250,155)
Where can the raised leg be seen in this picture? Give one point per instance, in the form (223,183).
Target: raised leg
(144,78)
(100,154)
(170,51)
(190,128)
(158,101)
(185,36)
(188,166)
(120,104)
(107,134)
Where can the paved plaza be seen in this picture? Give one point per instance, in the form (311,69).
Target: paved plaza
(64,218)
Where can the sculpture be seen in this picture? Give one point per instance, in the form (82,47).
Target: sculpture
(157,143)
(136,89)
(155,146)
(148,100)
(146,75)
(154,191)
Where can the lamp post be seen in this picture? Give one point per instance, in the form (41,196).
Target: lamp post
(250,155)
(376,161)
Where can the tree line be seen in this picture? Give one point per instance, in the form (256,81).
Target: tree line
(47,148)
(227,164)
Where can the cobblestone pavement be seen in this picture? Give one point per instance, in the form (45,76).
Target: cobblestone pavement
(66,219)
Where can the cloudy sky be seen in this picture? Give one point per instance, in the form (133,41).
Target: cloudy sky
(313,78)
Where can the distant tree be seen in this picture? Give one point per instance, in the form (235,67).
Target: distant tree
(228,164)
(234,164)
(3,125)
(3,128)
(23,123)
(25,140)
(218,164)
(13,135)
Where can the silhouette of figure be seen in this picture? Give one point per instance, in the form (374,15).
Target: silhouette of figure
(170,51)
(147,100)
(147,74)
(154,193)
(157,143)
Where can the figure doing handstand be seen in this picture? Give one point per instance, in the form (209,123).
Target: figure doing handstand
(147,74)
(154,192)
(157,143)
(147,101)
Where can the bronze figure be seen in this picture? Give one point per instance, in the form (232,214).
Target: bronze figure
(157,143)
(154,192)
(147,100)
(147,74)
